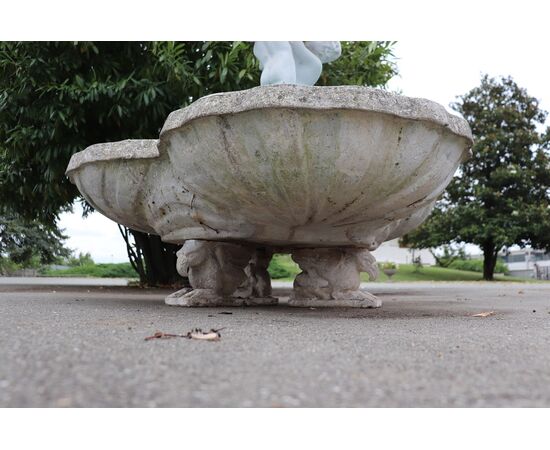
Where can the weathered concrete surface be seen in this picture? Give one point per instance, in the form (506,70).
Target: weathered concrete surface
(281,165)
(85,347)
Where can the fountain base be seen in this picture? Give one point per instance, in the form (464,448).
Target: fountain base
(235,274)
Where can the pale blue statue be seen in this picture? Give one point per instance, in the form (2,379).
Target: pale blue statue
(294,62)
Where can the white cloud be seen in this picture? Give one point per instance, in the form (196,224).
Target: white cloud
(95,234)
(441,70)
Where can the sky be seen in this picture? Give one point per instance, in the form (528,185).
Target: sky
(436,69)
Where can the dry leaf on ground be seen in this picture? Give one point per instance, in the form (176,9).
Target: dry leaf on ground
(212,335)
(196,333)
(484,314)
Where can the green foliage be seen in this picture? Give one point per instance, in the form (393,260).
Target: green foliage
(29,243)
(366,63)
(282,266)
(83,259)
(499,197)
(476,265)
(122,270)
(56,98)
(7,266)
(448,255)
(408,272)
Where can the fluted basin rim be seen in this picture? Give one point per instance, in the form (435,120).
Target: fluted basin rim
(108,151)
(358,98)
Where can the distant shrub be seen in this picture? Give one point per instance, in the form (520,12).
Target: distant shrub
(387,265)
(476,265)
(82,259)
(448,255)
(282,266)
(123,270)
(7,266)
(109,270)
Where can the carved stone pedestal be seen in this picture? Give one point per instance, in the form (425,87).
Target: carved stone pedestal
(223,274)
(230,274)
(206,297)
(330,277)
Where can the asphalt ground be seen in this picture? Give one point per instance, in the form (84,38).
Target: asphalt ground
(83,346)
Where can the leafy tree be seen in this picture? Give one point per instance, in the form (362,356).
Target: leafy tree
(476,265)
(82,259)
(29,243)
(365,63)
(500,197)
(57,98)
(448,255)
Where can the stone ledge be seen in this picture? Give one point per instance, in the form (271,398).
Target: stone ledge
(359,98)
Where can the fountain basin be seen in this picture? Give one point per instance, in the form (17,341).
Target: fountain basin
(283,165)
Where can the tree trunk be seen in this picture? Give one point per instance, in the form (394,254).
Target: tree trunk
(490,254)
(134,254)
(153,260)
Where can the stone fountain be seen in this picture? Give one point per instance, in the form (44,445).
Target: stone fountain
(324,173)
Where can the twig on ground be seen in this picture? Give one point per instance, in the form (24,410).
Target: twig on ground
(161,335)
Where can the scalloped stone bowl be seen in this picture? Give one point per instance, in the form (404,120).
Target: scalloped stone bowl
(284,166)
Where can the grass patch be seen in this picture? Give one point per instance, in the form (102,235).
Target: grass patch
(110,270)
(476,265)
(284,269)
(407,272)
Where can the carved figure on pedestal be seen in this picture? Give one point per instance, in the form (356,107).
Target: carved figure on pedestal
(258,282)
(332,276)
(222,273)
